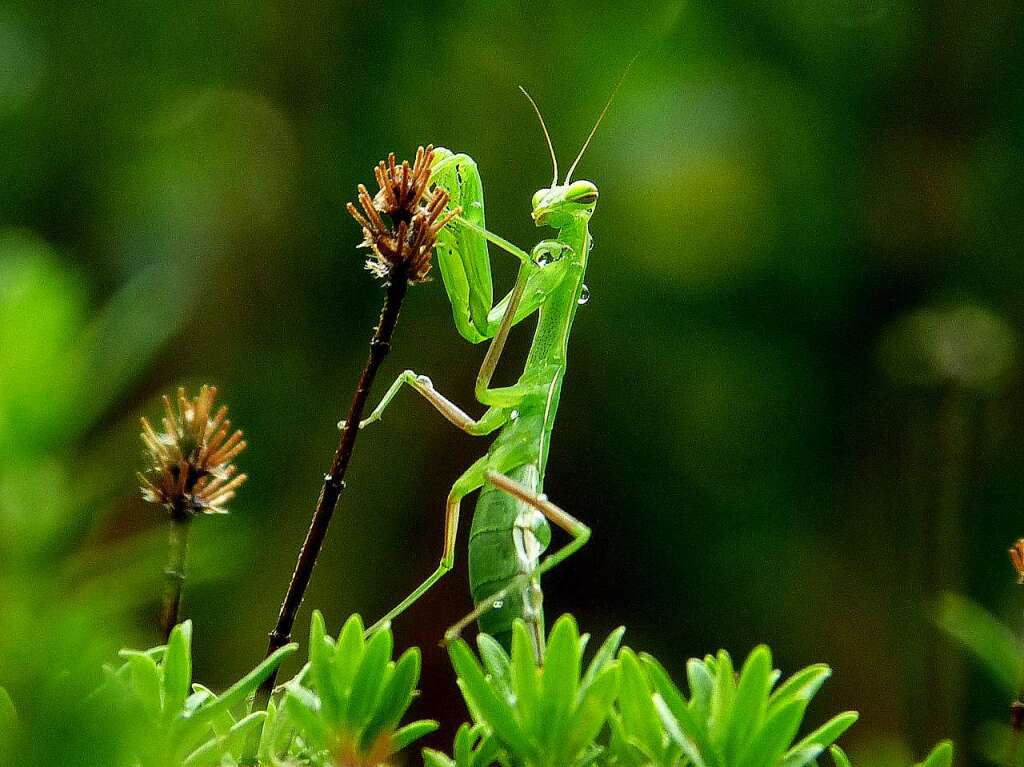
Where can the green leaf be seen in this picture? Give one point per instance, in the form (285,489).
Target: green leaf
(804,685)
(348,654)
(366,685)
(820,739)
(395,697)
(602,657)
(702,686)
(639,716)
(211,752)
(722,698)
(413,732)
(525,674)
(244,686)
(751,701)
(321,656)
(593,710)
(992,642)
(303,708)
(481,697)
(771,741)
(940,756)
(146,684)
(432,758)
(559,680)
(663,684)
(839,757)
(496,661)
(686,733)
(178,668)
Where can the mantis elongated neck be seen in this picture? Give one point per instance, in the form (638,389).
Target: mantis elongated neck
(557,313)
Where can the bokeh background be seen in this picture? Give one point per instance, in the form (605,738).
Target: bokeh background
(793,411)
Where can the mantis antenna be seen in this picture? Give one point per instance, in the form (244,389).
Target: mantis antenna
(551,148)
(604,111)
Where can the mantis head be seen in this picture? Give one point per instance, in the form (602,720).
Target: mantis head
(558,205)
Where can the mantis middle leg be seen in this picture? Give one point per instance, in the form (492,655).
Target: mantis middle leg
(556,515)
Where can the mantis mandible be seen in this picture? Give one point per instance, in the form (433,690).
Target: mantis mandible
(510,529)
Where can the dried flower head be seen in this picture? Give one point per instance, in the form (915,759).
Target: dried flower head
(191,470)
(1017,557)
(406,242)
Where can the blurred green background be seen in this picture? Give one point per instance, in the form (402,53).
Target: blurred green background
(792,413)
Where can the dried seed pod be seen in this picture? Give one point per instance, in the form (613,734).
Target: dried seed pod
(406,241)
(191,470)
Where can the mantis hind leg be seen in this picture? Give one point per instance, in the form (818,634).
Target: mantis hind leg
(556,515)
(472,479)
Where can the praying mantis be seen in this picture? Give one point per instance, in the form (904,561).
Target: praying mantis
(510,529)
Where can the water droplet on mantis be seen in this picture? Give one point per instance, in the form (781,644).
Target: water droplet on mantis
(590,245)
(514,415)
(498,604)
(584,296)
(545,258)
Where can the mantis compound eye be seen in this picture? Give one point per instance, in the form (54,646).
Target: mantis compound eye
(582,193)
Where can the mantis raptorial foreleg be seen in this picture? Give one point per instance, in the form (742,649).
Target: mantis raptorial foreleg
(556,515)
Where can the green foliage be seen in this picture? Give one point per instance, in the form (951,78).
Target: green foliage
(991,641)
(742,720)
(625,711)
(346,707)
(540,715)
(474,746)
(940,756)
(173,721)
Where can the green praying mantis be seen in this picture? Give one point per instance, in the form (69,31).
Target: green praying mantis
(510,528)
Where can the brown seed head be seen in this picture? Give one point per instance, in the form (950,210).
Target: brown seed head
(1017,557)
(405,240)
(191,470)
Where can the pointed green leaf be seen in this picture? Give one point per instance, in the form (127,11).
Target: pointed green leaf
(348,655)
(496,661)
(525,674)
(593,710)
(395,697)
(146,684)
(321,657)
(211,753)
(804,684)
(751,701)
(177,668)
(639,716)
(485,702)
(432,758)
(771,741)
(244,686)
(820,739)
(991,641)
(559,681)
(702,686)
(686,733)
(602,657)
(412,732)
(940,756)
(722,697)
(839,757)
(369,678)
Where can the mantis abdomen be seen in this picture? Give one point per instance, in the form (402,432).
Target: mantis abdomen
(505,543)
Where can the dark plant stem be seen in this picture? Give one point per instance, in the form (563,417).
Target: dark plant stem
(334,480)
(174,575)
